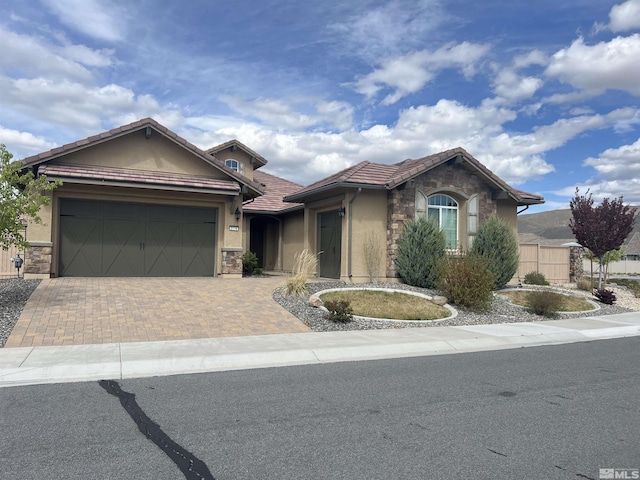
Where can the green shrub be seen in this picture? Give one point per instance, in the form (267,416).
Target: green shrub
(535,278)
(608,297)
(584,284)
(496,243)
(467,281)
(339,310)
(544,303)
(421,249)
(249,263)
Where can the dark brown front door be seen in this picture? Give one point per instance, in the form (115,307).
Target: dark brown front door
(330,224)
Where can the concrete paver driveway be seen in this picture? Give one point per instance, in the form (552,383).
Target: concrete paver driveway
(76,311)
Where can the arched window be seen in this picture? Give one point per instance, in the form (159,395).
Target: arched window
(231,163)
(444,210)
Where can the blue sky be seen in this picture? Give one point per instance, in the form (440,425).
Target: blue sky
(545,93)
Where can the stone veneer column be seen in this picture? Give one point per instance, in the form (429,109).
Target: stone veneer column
(232,261)
(576,270)
(38,259)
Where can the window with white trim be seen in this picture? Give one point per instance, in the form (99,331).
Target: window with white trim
(233,164)
(444,210)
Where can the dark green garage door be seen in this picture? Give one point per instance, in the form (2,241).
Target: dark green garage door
(109,239)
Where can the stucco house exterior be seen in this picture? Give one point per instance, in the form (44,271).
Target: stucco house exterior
(139,200)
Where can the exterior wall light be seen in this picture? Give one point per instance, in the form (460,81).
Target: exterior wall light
(237,214)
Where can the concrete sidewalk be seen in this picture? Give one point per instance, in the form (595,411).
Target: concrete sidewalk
(55,364)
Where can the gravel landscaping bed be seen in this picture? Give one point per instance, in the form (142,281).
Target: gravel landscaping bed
(14,293)
(502,311)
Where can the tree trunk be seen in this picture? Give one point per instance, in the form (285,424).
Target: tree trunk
(600,272)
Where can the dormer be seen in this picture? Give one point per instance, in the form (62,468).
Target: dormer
(238,157)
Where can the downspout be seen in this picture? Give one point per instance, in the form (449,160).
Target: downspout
(281,243)
(349,259)
(526,207)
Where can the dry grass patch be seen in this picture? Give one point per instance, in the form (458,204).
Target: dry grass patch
(305,264)
(392,305)
(568,303)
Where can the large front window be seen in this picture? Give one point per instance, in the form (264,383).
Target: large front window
(444,211)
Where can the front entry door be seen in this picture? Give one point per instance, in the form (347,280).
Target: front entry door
(330,243)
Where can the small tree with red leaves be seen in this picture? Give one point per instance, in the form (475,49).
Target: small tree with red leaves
(602,228)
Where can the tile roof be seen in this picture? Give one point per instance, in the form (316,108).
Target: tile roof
(275,189)
(260,160)
(139,125)
(632,246)
(375,175)
(137,177)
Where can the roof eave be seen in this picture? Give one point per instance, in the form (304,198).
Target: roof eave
(332,186)
(147,186)
(282,211)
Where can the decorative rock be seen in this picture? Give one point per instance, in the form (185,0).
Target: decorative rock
(315,301)
(439,300)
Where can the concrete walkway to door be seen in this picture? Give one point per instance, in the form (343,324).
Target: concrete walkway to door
(82,311)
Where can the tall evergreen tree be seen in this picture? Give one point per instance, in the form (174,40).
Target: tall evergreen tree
(498,245)
(421,250)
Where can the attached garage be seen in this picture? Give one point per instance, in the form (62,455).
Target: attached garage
(117,239)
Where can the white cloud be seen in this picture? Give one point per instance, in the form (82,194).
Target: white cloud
(596,68)
(534,57)
(87,56)
(617,164)
(625,16)
(19,143)
(419,131)
(396,27)
(282,116)
(409,73)
(99,19)
(78,106)
(512,87)
(33,56)
(617,174)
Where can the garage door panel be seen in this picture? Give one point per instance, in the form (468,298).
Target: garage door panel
(121,248)
(198,255)
(122,211)
(124,239)
(162,249)
(80,245)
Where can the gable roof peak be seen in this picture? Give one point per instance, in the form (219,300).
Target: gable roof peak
(259,160)
(137,126)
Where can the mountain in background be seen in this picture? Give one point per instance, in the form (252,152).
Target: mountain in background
(552,228)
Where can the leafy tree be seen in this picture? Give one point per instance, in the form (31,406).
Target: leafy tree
(421,250)
(602,228)
(497,244)
(610,256)
(21,195)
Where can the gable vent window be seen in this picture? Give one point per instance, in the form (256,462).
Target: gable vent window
(444,210)
(233,164)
